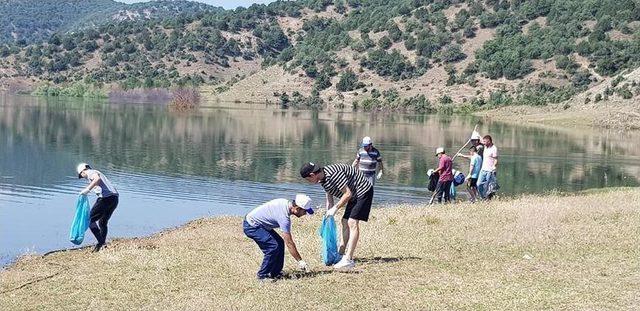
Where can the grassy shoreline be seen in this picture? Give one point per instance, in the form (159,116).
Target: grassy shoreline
(532,252)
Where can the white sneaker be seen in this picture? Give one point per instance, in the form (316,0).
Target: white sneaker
(345,263)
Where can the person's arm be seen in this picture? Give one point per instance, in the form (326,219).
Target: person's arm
(464,156)
(291,245)
(91,185)
(329,200)
(471,167)
(356,162)
(440,167)
(346,196)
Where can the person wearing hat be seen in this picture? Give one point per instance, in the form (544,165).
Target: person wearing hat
(105,204)
(369,161)
(476,141)
(259,225)
(355,193)
(445,166)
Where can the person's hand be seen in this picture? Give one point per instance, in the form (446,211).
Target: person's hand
(332,211)
(302,265)
(84,191)
(379,175)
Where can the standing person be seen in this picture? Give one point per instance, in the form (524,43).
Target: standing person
(489,166)
(445,166)
(354,191)
(259,225)
(105,204)
(474,171)
(369,161)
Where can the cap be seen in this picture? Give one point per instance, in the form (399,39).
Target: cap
(304,201)
(439,150)
(308,168)
(475,135)
(366,141)
(81,167)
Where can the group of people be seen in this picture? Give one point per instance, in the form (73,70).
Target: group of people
(352,186)
(481,179)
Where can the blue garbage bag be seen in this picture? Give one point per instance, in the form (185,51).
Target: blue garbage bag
(80,221)
(329,236)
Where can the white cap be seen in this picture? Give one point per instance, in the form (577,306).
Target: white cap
(304,201)
(475,135)
(81,167)
(439,150)
(367,141)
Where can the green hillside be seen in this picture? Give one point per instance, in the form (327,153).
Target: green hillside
(408,54)
(29,21)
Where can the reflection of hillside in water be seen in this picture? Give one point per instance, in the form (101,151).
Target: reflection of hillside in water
(267,145)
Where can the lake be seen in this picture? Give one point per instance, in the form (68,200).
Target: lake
(172,167)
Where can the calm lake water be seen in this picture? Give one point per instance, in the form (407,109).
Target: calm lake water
(171,167)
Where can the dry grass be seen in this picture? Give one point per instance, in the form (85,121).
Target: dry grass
(535,252)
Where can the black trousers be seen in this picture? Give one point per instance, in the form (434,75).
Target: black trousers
(100,214)
(444,187)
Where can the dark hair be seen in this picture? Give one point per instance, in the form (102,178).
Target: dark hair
(473,148)
(488,137)
(309,168)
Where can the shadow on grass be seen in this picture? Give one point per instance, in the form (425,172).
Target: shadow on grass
(374,260)
(312,274)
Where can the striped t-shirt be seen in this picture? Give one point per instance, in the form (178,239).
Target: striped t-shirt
(336,176)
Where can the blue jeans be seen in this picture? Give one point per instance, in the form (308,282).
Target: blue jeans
(484,179)
(272,245)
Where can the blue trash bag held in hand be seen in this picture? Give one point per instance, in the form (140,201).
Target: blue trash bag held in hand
(329,236)
(80,221)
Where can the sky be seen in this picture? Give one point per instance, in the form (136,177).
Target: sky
(227,4)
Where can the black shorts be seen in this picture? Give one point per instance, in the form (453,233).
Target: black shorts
(473,183)
(359,208)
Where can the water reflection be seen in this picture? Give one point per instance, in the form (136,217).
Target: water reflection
(268,146)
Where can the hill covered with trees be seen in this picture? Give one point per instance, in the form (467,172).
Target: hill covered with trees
(370,54)
(29,21)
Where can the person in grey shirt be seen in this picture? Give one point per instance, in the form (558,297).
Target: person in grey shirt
(105,204)
(259,225)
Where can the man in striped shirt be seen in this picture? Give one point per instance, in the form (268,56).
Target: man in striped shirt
(369,160)
(354,191)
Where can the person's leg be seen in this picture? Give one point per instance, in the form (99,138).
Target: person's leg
(482,179)
(473,190)
(267,245)
(359,212)
(344,236)
(278,262)
(447,191)
(344,241)
(110,205)
(96,213)
(354,235)
(439,189)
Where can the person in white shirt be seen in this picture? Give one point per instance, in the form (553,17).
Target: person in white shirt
(488,172)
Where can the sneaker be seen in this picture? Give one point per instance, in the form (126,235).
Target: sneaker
(345,263)
(97,248)
(266,280)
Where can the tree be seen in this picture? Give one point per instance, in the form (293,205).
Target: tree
(384,43)
(348,81)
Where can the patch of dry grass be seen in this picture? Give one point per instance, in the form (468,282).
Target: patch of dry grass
(534,252)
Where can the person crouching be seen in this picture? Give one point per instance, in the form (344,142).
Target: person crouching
(259,225)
